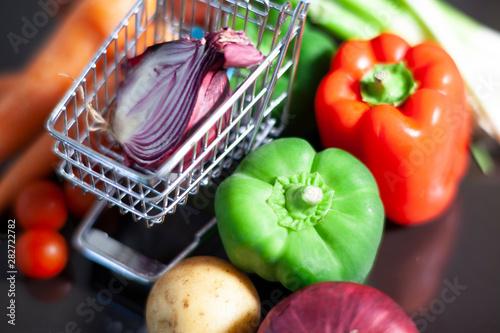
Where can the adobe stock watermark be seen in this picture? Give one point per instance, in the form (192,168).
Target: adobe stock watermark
(417,157)
(278,294)
(88,308)
(487,86)
(449,294)
(30,26)
(425,148)
(204,198)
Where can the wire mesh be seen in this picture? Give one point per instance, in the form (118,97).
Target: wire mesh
(91,158)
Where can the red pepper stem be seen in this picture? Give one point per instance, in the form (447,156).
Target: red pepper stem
(387,84)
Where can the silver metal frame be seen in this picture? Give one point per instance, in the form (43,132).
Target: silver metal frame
(92,160)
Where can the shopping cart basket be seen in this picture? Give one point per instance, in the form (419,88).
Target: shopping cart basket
(92,160)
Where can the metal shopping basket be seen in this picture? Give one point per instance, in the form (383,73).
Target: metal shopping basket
(92,160)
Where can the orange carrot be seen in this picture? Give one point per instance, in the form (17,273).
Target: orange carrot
(24,108)
(36,162)
(7,81)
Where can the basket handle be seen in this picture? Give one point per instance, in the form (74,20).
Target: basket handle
(301,9)
(99,247)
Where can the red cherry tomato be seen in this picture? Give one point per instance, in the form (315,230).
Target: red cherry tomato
(78,202)
(41,205)
(41,253)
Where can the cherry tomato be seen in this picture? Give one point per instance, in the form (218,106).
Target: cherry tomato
(41,204)
(78,202)
(41,253)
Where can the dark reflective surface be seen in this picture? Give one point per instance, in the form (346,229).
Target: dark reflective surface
(445,274)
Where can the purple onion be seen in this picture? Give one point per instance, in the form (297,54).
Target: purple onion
(171,87)
(337,307)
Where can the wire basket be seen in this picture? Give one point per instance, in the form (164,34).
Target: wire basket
(254,114)
(92,160)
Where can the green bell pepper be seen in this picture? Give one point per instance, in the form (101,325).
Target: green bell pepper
(316,52)
(292,215)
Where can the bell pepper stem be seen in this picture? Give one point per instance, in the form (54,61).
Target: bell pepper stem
(300,200)
(303,199)
(387,84)
(380,76)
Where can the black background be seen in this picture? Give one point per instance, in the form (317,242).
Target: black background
(416,266)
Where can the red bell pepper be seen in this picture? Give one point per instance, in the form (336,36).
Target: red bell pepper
(402,111)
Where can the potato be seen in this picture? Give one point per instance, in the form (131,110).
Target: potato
(203,294)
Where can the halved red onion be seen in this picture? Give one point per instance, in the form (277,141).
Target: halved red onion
(171,87)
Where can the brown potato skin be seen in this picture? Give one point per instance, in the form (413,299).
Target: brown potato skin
(203,294)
